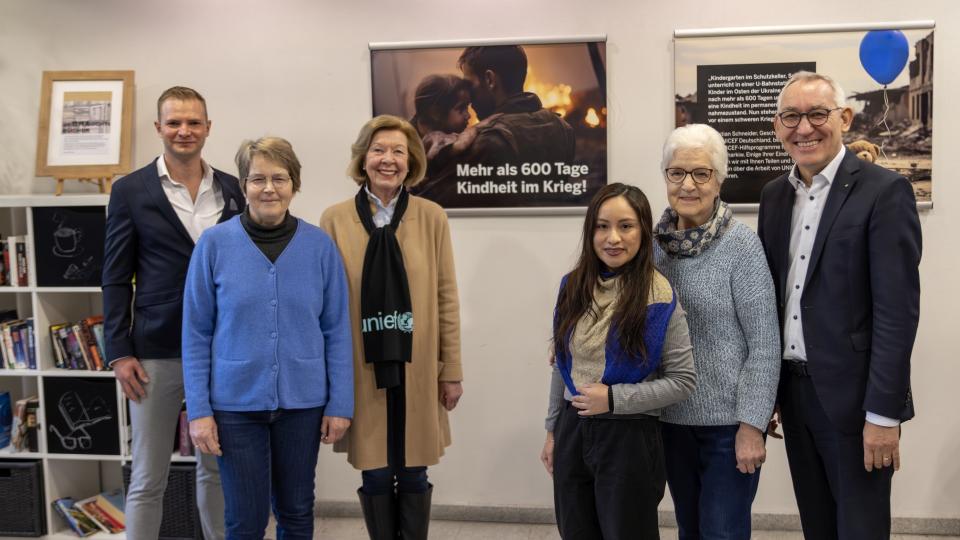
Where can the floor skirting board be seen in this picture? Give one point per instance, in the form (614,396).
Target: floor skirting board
(517,514)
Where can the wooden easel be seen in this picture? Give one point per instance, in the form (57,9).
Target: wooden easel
(102,182)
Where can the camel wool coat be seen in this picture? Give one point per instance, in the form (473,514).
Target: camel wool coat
(424,238)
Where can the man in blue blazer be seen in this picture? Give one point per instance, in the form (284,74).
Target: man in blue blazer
(154,218)
(842,239)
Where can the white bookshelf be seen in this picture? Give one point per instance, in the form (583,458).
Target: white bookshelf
(64,475)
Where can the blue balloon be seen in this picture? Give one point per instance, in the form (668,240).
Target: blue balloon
(883,53)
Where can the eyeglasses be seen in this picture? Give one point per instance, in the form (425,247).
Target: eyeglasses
(677,175)
(816,117)
(279,181)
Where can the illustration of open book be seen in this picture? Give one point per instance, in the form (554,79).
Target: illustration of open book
(78,417)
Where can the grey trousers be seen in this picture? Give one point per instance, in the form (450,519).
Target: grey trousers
(153,422)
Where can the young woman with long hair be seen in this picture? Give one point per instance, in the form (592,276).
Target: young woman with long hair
(621,352)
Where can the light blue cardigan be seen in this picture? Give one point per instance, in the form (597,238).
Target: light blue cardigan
(261,336)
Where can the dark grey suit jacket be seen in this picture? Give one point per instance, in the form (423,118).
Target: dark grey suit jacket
(146,239)
(861,299)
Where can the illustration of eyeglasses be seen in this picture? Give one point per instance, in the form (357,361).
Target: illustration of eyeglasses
(79,416)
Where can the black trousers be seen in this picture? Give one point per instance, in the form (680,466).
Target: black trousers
(836,496)
(608,477)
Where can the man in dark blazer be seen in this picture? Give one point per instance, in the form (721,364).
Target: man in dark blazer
(842,239)
(154,218)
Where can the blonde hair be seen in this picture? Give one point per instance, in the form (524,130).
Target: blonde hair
(275,149)
(180,93)
(417,165)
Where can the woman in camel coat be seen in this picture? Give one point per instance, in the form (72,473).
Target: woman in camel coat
(400,427)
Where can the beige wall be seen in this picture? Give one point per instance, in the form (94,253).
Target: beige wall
(299,69)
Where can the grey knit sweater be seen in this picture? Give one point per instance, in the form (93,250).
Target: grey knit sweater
(728,294)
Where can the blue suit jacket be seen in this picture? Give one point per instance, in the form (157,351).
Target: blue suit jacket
(861,298)
(146,239)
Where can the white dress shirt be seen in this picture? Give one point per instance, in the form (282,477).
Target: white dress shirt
(384,214)
(196,216)
(807,208)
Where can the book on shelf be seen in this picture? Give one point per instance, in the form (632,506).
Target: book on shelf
(91,506)
(4,265)
(10,261)
(22,279)
(16,344)
(185,446)
(90,342)
(76,342)
(15,269)
(25,425)
(6,420)
(31,346)
(79,345)
(112,503)
(78,522)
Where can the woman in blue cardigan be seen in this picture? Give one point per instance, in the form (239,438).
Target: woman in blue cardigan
(267,351)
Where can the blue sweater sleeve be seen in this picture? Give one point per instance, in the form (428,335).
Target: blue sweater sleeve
(199,321)
(337,337)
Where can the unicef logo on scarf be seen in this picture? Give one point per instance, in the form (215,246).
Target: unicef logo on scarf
(405,322)
(393,321)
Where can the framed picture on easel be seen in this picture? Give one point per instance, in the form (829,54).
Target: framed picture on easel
(85,128)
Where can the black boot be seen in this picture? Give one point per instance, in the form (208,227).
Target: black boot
(379,513)
(413,510)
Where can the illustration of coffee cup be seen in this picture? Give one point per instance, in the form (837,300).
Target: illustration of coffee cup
(66,242)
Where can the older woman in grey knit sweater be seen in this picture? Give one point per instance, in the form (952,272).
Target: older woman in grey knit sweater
(714,441)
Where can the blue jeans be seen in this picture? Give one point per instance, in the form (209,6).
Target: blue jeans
(711,498)
(269,457)
(382,481)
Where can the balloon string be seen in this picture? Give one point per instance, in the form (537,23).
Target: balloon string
(883,120)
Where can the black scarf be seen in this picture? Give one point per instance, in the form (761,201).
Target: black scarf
(386,316)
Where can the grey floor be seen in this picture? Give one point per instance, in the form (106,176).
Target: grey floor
(352,529)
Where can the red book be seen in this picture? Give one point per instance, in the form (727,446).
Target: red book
(5,260)
(186,443)
(21,262)
(90,343)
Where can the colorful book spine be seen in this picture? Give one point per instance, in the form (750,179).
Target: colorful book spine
(98,335)
(112,503)
(4,264)
(78,522)
(19,351)
(90,345)
(8,354)
(10,259)
(72,358)
(31,345)
(99,517)
(186,443)
(59,355)
(22,279)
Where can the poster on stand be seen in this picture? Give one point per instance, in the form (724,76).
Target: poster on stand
(730,79)
(509,126)
(85,125)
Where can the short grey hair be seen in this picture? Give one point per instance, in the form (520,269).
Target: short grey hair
(697,137)
(839,96)
(275,149)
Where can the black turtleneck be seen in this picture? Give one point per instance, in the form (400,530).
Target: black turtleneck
(270,240)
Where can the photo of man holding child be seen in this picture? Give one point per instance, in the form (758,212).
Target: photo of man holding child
(503,126)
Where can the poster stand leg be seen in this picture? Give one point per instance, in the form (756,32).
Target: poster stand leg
(103,183)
